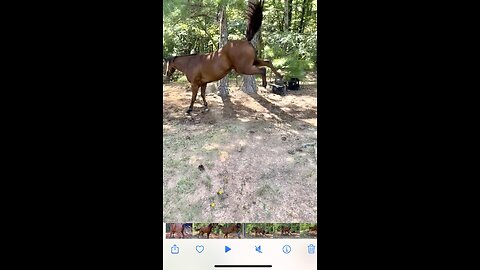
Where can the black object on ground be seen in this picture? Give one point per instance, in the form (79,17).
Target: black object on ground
(294,84)
(279,89)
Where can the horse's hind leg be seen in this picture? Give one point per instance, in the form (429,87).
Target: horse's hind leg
(194,97)
(203,96)
(266,63)
(264,76)
(254,70)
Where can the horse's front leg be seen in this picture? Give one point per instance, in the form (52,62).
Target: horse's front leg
(194,97)
(203,96)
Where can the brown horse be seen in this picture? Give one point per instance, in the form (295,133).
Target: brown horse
(230,229)
(206,230)
(257,230)
(236,54)
(176,227)
(285,230)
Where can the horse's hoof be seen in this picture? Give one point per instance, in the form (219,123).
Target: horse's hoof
(189,111)
(206,109)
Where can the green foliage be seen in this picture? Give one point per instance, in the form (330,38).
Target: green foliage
(193,26)
(293,53)
(274,227)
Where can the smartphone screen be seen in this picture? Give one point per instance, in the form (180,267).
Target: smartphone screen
(279,246)
(239,135)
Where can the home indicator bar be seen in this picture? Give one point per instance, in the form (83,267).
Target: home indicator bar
(243,266)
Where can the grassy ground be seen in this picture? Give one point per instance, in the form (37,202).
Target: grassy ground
(257,155)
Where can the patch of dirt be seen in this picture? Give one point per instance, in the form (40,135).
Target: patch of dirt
(258,154)
(178,235)
(187,234)
(218,236)
(276,235)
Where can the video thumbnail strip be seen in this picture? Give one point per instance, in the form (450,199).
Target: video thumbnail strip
(241,230)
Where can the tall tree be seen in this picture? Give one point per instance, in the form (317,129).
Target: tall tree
(260,44)
(223,83)
(289,17)
(285,17)
(302,16)
(249,84)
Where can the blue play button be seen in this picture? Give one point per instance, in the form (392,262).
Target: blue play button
(227,249)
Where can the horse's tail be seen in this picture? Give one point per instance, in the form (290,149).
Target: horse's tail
(255,16)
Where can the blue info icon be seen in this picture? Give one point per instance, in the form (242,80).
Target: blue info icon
(174,249)
(286,249)
(311,249)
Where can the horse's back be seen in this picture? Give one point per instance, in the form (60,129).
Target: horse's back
(241,53)
(236,54)
(176,226)
(237,47)
(211,67)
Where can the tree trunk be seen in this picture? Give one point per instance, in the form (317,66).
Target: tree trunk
(302,18)
(260,45)
(309,13)
(290,7)
(223,83)
(249,84)
(285,17)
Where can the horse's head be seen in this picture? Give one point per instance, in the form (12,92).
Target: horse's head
(170,69)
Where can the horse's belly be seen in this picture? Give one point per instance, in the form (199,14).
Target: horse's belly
(215,76)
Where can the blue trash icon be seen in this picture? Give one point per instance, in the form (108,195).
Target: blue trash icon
(174,249)
(311,249)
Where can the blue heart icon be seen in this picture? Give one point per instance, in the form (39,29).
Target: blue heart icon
(199,248)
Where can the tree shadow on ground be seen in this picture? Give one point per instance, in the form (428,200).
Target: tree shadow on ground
(228,111)
(305,90)
(300,112)
(277,110)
